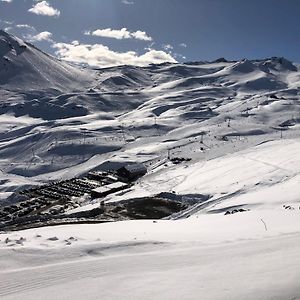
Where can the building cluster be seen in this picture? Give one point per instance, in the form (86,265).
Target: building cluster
(57,197)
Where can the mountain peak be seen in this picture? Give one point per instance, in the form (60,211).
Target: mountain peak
(22,64)
(243,66)
(10,43)
(279,64)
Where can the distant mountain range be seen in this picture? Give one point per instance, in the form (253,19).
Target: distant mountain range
(49,108)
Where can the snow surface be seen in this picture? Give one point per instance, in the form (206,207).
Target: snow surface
(238,121)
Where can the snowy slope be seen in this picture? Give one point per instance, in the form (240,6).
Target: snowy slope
(131,113)
(238,122)
(24,67)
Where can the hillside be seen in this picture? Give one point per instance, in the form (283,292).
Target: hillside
(220,137)
(26,68)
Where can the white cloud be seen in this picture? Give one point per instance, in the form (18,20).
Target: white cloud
(141,35)
(98,55)
(7,29)
(25,26)
(111,33)
(167,47)
(127,2)
(120,34)
(25,31)
(43,8)
(179,56)
(7,22)
(183,45)
(42,36)
(8,1)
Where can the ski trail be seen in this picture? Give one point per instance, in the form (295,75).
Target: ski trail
(200,260)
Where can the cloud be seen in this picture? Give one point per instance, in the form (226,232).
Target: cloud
(179,56)
(167,47)
(42,36)
(25,26)
(120,34)
(127,2)
(141,35)
(8,29)
(43,8)
(6,25)
(8,1)
(98,55)
(183,45)
(22,30)
(8,22)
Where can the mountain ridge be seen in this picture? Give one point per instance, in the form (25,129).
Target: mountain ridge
(117,109)
(26,66)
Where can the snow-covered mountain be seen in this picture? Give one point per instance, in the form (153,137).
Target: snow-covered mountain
(236,122)
(68,120)
(26,68)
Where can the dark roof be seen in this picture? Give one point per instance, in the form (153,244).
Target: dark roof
(135,168)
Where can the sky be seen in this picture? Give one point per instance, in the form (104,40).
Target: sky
(112,32)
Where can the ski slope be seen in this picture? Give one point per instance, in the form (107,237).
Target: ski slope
(242,270)
(246,255)
(238,122)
